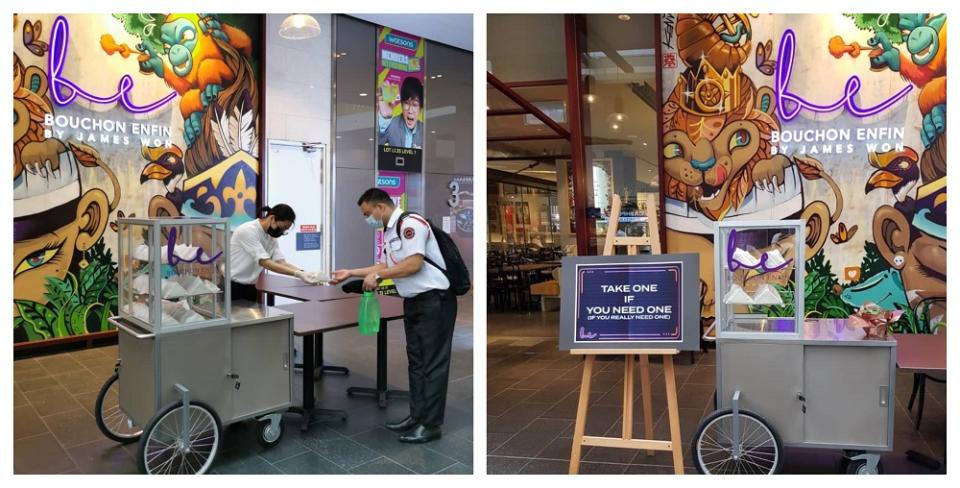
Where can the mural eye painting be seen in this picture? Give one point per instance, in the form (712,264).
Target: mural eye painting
(36,260)
(166,47)
(740,138)
(187,35)
(672,150)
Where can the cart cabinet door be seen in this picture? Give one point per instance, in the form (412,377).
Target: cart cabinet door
(198,360)
(769,377)
(261,359)
(848,396)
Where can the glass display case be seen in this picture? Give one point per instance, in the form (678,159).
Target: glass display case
(759,272)
(172,272)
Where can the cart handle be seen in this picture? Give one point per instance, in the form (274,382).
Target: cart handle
(133,332)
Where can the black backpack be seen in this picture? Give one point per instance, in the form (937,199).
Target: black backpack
(457,273)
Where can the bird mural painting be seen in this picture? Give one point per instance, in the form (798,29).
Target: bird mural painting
(897,171)
(165,164)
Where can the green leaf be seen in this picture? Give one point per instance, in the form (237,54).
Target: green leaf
(58,292)
(78,318)
(93,280)
(34,316)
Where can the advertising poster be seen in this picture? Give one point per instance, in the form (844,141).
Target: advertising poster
(395,184)
(400,101)
(640,302)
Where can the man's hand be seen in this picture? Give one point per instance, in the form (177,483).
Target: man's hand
(339,276)
(386,106)
(370,282)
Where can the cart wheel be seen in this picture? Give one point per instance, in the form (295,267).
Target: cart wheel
(859,466)
(761,449)
(111,420)
(163,450)
(267,436)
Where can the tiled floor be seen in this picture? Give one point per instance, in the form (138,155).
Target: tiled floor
(532,393)
(55,431)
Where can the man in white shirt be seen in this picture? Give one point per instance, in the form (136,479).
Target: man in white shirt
(254,247)
(429,309)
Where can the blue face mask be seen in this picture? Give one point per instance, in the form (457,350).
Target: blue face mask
(373,221)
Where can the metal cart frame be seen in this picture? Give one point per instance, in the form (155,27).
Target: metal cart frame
(820,385)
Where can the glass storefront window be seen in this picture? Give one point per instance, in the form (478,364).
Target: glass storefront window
(619,117)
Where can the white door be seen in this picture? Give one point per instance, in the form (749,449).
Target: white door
(298,174)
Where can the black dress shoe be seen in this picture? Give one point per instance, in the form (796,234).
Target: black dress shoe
(402,426)
(421,435)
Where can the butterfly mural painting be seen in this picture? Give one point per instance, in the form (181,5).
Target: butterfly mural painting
(31,38)
(765,63)
(120,215)
(843,234)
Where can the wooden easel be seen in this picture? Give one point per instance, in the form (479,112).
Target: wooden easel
(626,440)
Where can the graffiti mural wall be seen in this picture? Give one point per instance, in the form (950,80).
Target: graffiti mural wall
(838,120)
(126,114)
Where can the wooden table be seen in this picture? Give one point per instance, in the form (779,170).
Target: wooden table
(922,354)
(313,319)
(284,286)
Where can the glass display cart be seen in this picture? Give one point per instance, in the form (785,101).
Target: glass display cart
(190,361)
(785,377)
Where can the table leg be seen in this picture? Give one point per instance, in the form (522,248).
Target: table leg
(913,394)
(381,392)
(922,393)
(308,410)
(324,368)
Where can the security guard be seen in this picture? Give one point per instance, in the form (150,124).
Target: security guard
(429,309)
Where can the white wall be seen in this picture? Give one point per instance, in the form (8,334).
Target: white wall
(298,83)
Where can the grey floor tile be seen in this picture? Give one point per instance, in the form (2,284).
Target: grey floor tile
(458,468)
(453,447)
(309,463)
(421,460)
(344,452)
(381,465)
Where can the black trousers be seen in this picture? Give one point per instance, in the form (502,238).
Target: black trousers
(239,291)
(428,322)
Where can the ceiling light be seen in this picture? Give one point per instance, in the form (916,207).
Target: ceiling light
(623,17)
(615,127)
(439,76)
(644,143)
(363,94)
(299,26)
(591,98)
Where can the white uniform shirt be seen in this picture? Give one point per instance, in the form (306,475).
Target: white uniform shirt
(415,238)
(248,245)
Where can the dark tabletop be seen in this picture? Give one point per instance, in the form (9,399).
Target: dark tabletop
(313,317)
(288,287)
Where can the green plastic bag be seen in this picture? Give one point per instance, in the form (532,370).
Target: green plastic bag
(369,314)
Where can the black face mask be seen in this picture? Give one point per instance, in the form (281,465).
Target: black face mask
(275,232)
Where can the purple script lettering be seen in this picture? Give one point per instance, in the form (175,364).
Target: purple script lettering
(734,264)
(65,91)
(174,260)
(796,104)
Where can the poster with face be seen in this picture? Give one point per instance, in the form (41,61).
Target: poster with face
(146,115)
(835,119)
(400,109)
